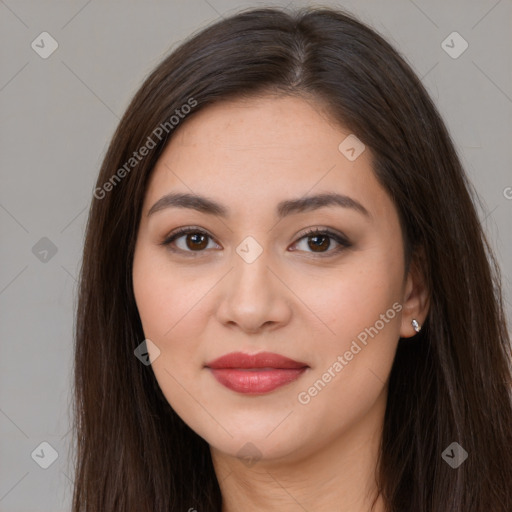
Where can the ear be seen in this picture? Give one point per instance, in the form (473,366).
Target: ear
(416,298)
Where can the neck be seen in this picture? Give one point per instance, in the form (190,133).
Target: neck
(339,474)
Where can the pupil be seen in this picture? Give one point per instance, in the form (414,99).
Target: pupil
(201,245)
(316,246)
(197,242)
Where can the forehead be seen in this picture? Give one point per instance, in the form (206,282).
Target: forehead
(279,123)
(256,151)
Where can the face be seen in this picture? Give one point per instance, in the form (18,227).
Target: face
(320,284)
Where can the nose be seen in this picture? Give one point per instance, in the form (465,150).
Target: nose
(253,296)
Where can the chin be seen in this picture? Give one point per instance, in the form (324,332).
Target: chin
(252,449)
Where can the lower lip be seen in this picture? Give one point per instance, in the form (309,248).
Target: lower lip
(255,381)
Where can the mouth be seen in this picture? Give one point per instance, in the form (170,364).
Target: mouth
(255,374)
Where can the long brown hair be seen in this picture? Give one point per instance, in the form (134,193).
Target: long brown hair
(451,383)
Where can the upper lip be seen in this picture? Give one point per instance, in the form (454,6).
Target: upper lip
(260,360)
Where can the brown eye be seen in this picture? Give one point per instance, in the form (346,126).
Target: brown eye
(319,243)
(195,240)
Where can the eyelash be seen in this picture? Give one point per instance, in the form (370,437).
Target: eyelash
(343,242)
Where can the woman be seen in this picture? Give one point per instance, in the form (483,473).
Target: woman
(287,301)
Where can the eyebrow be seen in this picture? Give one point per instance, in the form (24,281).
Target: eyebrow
(284,208)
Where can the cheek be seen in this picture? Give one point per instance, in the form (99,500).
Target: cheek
(353,297)
(362,311)
(163,296)
(359,307)
(168,303)
(174,308)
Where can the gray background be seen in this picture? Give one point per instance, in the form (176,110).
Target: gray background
(58,115)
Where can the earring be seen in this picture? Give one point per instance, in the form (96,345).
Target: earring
(416,325)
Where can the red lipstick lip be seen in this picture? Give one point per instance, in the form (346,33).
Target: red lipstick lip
(239,360)
(255,374)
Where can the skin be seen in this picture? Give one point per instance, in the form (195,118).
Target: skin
(310,306)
